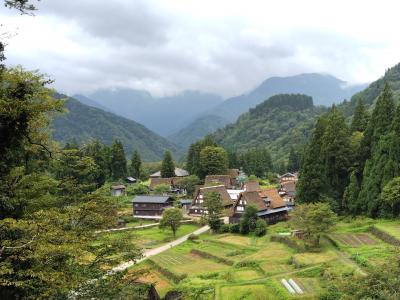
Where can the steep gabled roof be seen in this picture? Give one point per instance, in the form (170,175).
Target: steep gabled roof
(117,187)
(220,189)
(289,186)
(287,175)
(178,173)
(157,181)
(274,198)
(218,179)
(251,186)
(252,198)
(233,173)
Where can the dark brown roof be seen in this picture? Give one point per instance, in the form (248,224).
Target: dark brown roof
(218,179)
(289,186)
(252,198)
(251,186)
(273,196)
(233,173)
(220,189)
(157,181)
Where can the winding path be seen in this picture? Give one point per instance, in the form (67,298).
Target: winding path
(155,251)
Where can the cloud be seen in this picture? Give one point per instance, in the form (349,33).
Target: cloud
(224,47)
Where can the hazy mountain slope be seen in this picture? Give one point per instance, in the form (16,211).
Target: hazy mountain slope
(278,123)
(87,101)
(324,89)
(197,129)
(164,115)
(83,123)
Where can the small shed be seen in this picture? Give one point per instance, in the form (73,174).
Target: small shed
(186,204)
(118,190)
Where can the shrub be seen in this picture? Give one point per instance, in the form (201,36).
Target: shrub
(137,189)
(225,228)
(193,237)
(261,228)
(235,228)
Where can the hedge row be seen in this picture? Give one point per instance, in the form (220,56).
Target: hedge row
(288,242)
(387,238)
(211,256)
(167,273)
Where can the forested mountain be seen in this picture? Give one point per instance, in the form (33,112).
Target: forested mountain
(324,89)
(278,123)
(164,115)
(83,123)
(87,101)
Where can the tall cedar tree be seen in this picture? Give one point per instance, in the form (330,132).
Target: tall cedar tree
(193,156)
(213,161)
(350,203)
(360,117)
(97,152)
(256,161)
(118,161)
(136,164)
(379,168)
(312,181)
(167,166)
(337,156)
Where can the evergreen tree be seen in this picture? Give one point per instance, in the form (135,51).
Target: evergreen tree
(312,181)
(294,160)
(118,161)
(350,196)
(360,117)
(380,166)
(167,166)
(336,155)
(136,164)
(95,150)
(193,156)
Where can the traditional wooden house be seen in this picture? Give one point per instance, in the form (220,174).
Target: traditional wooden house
(287,191)
(186,204)
(178,173)
(150,207)
(118,190)
(212,180)
(288,177)
(197,204)
(270,206)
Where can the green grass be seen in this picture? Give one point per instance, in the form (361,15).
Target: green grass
(392,228)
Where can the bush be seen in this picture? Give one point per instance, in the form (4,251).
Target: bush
(193,237)
(225,228)
(137,189)
(235,228)
(261,228)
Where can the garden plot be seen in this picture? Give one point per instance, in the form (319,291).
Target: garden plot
(354,239)
(188,263)
(249,292)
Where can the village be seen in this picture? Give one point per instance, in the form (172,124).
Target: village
(230,264)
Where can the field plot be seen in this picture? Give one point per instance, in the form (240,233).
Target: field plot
(308,259)
(238,240)
(390,228)
(246,274)
(189,263)
(161,283)
(354,239)
(248,292)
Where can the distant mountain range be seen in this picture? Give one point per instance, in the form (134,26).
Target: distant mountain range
(83,123)
(324,89)
(163,115)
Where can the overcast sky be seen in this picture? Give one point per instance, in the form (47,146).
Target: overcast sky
(225,47)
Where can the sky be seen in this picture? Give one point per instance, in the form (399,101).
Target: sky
(218,46)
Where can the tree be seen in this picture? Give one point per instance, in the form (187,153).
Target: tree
(213,204)
(136,164)
(249,219)
(313,219)
(167,166)
(390,198)
(350,197)
(171,218)
(213,161)
(188,183)
(312,182)
(99,153)
(162,189)
(360,117)
(118,160)
(193,156)
(261,228)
